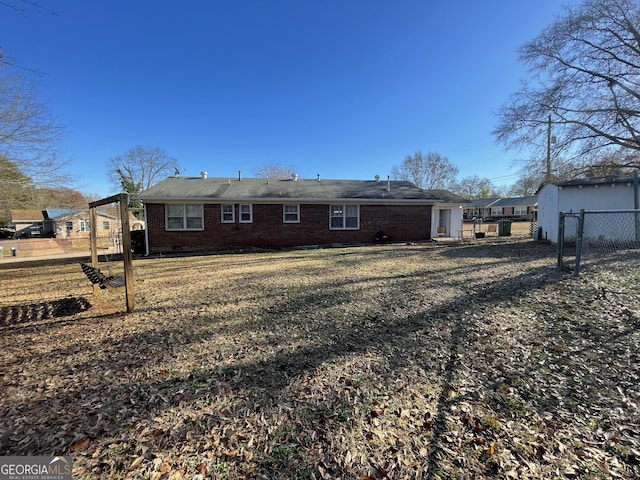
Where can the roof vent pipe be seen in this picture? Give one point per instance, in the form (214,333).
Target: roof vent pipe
(318,177)
(203,174)
(388,183)
(239,175)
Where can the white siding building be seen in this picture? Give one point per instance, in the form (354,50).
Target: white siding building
(607,193)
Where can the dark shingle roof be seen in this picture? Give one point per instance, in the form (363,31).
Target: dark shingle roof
(484,202)
(281,189)
(594,181)
(516,202)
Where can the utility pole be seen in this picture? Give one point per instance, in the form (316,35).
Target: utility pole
(547,177)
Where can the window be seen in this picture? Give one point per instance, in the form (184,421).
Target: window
(496,210)
(344,217)
(184,217)
(85,226)
(246,214)
(228,214)
(68,227)
(520,210)
(291,214)
(105,225)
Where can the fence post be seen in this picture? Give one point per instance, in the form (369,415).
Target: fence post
(636,205)
(560,240)
(576,271)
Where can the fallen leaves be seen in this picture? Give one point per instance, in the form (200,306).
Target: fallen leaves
(372,363)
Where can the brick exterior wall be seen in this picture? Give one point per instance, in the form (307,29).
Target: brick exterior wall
(400,222)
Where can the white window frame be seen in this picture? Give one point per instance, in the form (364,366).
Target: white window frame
(241,213)
(291,213)
(106,225)
(520,210)
(184,224)
(344,217)
(496,211)
(68,226)
(85,226)
(224,218)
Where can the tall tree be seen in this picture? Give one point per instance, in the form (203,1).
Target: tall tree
(584,72)
(17,189)
(474,187)
(430,171)
(274,170)
(29,133)
(140,167)
(526,185)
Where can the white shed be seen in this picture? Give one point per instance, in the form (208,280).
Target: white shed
(606,193)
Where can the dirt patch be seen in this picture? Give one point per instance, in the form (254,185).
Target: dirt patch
(414,361)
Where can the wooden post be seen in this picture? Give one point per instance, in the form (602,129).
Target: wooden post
(93,239)
(126,251)
(123,198)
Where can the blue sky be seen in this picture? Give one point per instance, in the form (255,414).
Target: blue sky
(344,88)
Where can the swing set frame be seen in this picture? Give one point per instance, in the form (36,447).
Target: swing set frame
(123,200)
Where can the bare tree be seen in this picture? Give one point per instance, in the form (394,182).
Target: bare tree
(430,171)
(526,186)
(140,167)
(29,133)
(585,77)
(17,189)
(274,170)
(474,187)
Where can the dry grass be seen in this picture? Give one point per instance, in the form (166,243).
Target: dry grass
(412,361)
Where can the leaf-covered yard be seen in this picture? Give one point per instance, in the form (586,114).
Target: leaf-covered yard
(399,361)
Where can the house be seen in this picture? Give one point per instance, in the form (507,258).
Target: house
(203,214)
(32,224)
(479,209)
(492,209)
(77,224)
(605,193)
(65,223)
(514,208)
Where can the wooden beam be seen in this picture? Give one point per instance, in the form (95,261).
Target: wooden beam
(126,252)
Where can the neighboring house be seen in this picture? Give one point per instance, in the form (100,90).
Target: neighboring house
(32,224)
(77,224)
(606,193)
(479,209)
(67,223)
(515,208)
(492,209)
(201,213)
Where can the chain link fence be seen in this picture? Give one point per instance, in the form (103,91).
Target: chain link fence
(600,240)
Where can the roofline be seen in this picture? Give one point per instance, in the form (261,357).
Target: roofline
(377,201)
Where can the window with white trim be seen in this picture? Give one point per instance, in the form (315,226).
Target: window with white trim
(246,213)
(291,213)
(184,216)
(344,217)
(68,226)
(227,213)
(85,226)
(496,210)
(105,225)
(520,210)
